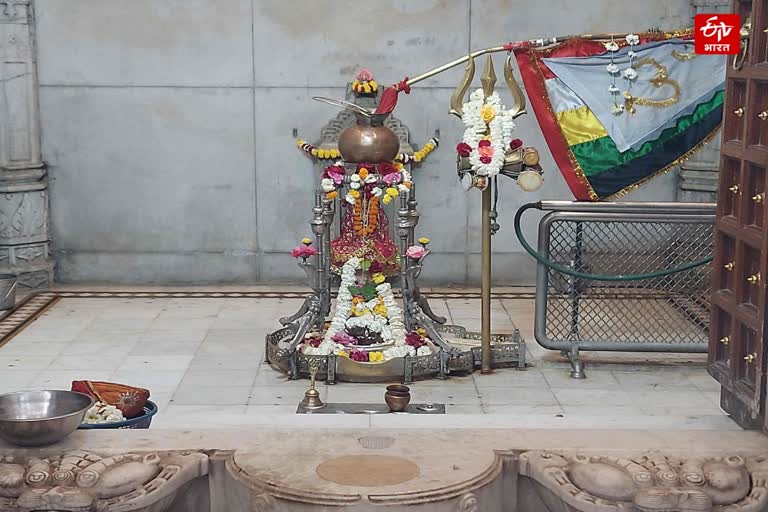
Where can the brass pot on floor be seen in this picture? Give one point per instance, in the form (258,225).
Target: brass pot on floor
(397,397)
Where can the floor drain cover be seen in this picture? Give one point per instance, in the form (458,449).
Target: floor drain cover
(376,442)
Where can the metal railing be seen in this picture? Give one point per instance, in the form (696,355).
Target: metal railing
(660,314)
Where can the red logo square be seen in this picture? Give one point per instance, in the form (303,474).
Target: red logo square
(717,34)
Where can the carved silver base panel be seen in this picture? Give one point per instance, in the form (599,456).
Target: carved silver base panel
(507,351)
(349,408)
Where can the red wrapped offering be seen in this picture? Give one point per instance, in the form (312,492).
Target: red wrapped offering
(128,399)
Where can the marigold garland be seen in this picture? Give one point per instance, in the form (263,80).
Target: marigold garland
(317,152)
(429,147)
(365,86)
(372,217)
(420,155)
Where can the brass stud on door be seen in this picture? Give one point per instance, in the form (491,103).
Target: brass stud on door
(734,188)
(751,358)
(759,198)
(725,340)
(763,115)
(739,111)
(729,266)
(754,278)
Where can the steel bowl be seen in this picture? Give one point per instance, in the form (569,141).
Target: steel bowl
(37,418)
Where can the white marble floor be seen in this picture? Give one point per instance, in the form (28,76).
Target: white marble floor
(203,360)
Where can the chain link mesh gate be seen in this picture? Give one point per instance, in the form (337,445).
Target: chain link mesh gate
(663,314)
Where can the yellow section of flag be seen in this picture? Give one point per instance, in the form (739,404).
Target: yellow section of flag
(580,125)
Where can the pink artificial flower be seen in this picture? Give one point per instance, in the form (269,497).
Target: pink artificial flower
(416,252)
(314,340)
(334,172)
(484,143)
(485,151)
(364,75)
(414,340)
(359,356)
(344,338)
(392,178)
(485,159)
(386,168)
(303,251)
(515,143)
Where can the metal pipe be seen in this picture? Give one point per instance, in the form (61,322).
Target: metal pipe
(403,232)
(629,207)
(574,289)
(454,63)
(485,311)
(539,43)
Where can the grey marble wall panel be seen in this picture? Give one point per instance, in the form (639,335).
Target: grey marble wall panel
(145,42)
(229,267)
(150,169)
(324,42)
(499,21)
(168,126)
(286,177)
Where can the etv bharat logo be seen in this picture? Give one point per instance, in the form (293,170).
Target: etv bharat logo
(717,34)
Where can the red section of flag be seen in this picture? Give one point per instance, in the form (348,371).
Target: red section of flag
(534,73)
(717,34)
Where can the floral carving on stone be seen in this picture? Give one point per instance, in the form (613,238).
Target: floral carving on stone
(82,481)
(650,483)
(468,503)
(263,503)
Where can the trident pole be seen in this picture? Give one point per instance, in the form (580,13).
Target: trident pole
(485,311)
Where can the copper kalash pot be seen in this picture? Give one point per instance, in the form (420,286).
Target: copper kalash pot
(368,140)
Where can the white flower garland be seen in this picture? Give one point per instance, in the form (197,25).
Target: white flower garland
(391,328)
(394,313)
(399,351)
(499,131)
(344,298)
(629,74)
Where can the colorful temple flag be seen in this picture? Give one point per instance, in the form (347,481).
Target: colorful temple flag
(677,99)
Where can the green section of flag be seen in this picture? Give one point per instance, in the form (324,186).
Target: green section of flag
(601,154)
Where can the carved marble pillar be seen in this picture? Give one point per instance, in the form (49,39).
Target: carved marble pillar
(698,175)
(24,235)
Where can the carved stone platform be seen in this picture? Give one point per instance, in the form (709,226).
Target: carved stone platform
(415,470)
(83,481)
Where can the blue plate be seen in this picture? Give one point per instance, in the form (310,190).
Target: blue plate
(139,422)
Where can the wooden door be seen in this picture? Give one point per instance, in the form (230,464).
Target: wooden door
(737,349)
